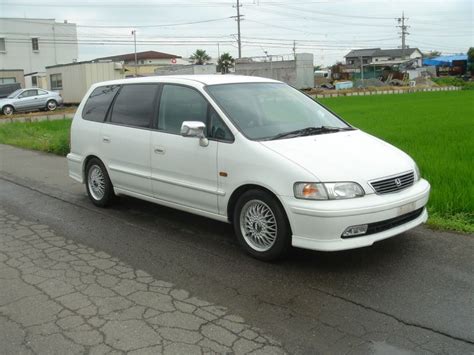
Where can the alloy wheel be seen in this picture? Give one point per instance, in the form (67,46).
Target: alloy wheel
(258,225)
(96,182)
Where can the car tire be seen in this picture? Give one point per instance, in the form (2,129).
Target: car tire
(8,110)
(261,225)
(51,105)
(98,184)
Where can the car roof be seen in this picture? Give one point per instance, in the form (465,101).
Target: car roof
(213,79)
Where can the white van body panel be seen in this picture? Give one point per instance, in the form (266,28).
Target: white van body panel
(176,171)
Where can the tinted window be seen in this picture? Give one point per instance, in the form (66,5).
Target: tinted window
(98,103)
(179,104)
(217,128)
(135,105)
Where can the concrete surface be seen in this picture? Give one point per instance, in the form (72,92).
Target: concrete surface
(62,297)
(409,294)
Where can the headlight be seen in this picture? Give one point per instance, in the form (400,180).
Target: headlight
(417,173)
(327,190)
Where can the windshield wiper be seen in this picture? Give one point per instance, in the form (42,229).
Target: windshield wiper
(309,131)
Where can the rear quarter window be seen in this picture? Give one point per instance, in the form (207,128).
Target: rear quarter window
(99,102)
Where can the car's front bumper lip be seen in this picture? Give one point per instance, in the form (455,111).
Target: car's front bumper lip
(318,225)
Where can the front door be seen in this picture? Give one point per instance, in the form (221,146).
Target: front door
(183,171)
(28,99)
(126,137)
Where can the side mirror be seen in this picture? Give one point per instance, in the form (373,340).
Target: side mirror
(195,129)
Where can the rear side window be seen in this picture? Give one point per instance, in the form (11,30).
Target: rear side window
(99,102)
(135,105)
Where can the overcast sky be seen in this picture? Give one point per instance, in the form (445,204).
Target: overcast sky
(328,29)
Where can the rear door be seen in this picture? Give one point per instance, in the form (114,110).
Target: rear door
(126,137)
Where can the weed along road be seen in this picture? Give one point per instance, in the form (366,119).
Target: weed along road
(411,293)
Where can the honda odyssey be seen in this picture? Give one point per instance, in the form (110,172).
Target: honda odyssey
(254,152)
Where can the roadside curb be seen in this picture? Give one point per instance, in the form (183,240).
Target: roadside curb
(55,117)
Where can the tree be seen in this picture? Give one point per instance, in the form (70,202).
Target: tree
(318,67)
(470,60)
(200,57)
(432,54)
(225,62)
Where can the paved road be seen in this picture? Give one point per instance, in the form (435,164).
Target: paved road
(413,293)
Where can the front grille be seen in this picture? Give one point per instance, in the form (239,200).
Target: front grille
(394,183)
(381,226)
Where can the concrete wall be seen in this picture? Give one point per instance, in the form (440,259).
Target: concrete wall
(77,78)
(18,75)
(298,73)
(186,69)
(57,43)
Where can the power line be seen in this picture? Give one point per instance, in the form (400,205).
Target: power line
(128,26)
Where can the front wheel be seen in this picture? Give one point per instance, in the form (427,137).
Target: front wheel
(51,105)
(98,184)
(8,110)
(261,225)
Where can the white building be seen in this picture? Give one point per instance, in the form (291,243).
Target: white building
(33,44)
(377,56)
(73,80)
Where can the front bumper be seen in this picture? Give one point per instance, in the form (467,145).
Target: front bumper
(318,225)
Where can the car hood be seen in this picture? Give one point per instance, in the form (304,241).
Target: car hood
(343,156)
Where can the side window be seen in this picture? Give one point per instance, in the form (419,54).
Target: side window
(99,102)
(28,93)
(179,104)
(216,128)
(135,105)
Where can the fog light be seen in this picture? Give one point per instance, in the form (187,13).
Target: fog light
(355,230)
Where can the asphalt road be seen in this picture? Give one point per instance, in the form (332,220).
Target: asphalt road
(412,293)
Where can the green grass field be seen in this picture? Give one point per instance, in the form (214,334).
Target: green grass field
(47,136)
(437,130)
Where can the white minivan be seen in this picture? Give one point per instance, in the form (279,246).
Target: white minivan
(254,152)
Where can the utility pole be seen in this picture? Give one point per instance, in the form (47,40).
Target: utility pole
(404,32)
(362,71)
(238,19)
(218,50)
(294,49)
(134,33)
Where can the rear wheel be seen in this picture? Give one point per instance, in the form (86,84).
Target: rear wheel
(8,110)
(51,105)
(261,225)
(98,184)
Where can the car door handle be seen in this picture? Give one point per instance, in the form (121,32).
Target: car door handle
(159,150)
(106,139)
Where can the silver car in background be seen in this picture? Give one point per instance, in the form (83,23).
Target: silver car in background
(30,100)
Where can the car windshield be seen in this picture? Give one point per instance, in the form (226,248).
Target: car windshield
(273,110)
(14,93)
